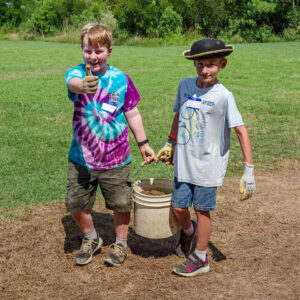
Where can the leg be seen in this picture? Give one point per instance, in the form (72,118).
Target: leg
(121,222)
(84,221)
(196,262)
(185,243)
(183,216)
(81,192)
(181,201)
(116,189)
(194,265)
(119,248)
(204,229)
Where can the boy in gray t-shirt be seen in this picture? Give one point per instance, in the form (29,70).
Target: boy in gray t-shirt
(205,112)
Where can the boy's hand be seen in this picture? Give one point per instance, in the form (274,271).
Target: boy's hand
(148,154)
(247,183)
(166,154)
(89,85)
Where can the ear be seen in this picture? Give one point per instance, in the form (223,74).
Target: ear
(109,51)
(223,63)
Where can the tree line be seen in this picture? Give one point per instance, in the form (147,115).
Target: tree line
(247,21)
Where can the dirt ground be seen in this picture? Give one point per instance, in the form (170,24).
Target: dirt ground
(253,254)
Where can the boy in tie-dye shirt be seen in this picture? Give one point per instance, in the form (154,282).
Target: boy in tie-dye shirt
(104,103)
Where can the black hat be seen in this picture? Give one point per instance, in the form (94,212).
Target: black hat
(208,48)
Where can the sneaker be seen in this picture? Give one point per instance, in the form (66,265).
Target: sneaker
(117,256)
(192,266)
(185,243)
(87,249)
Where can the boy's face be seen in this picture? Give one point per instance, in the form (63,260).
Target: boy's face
(96,57)
(208,69)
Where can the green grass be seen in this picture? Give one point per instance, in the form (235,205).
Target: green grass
(36,115)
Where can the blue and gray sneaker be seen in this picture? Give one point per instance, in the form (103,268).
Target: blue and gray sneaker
(192,266)
(87,250)
(185,243)
(117,256)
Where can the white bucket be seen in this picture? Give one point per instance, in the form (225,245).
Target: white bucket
(153,216)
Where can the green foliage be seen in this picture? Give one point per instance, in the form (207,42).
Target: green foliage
(137,16)
(247,21)
(170,22)
(85,17)
(44,19)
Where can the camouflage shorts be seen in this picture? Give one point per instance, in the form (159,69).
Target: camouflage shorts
(82,184)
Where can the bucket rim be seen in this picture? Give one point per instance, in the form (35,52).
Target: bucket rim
(152,196)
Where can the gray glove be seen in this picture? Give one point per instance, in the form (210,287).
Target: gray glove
(89,85)
(247,183)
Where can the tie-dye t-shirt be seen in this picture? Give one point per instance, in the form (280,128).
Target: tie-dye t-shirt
(100,133)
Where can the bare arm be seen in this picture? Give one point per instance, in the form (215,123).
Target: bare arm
(135,123)
(175,124)
(87,85)
(244,140)
(73,85)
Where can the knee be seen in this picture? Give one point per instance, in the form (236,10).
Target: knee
(180,210)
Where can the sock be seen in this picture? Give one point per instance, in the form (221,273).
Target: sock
(201,254)
(91,236)
(121,241)
(189,231)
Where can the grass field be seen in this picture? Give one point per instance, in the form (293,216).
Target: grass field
(36,115)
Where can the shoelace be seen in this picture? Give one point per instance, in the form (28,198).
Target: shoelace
(117,249)
(86,244)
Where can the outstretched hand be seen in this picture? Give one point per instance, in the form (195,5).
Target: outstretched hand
(89,84)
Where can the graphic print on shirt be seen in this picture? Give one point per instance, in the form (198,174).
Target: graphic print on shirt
(191,122)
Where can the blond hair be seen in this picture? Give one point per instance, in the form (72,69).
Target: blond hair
(95,34)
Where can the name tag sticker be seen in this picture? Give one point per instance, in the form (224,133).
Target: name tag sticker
(194,103)
(109,107)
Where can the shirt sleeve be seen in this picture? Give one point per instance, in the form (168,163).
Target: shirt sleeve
(233,115)
(132,96)
(72,73)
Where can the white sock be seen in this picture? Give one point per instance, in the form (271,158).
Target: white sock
(189,231)
(201,254)
(91,236)
(121,241)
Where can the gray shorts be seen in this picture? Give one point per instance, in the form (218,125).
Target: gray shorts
(82,184)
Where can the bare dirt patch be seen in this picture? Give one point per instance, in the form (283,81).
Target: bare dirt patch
(259,237)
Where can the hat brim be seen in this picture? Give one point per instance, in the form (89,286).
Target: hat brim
(209,54)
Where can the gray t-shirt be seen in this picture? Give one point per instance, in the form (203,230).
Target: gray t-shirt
(204,133)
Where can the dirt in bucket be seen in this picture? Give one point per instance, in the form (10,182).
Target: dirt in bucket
(153,193)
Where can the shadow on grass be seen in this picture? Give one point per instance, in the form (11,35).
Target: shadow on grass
(104,225)
(138,245)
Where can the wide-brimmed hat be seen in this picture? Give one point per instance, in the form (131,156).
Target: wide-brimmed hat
(208,48)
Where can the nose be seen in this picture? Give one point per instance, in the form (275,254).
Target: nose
(204,70)
(93,55)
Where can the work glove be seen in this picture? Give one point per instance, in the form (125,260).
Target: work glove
(247,183)
(89,84)
(166,154)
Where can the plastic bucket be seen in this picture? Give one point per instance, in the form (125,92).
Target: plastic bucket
(153,216)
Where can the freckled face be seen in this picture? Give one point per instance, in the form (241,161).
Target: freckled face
(96,57)
(207,70)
